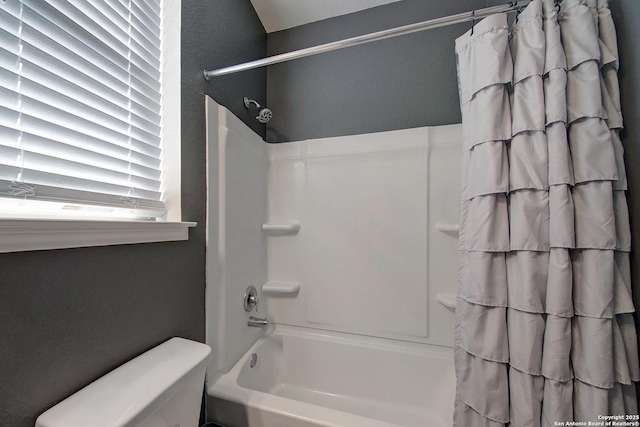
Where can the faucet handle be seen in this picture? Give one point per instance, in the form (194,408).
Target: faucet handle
(251,299)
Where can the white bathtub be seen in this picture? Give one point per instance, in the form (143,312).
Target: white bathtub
(304,378)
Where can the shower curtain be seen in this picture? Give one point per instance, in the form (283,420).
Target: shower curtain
(544,324)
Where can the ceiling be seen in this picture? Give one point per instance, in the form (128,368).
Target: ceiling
(279,15)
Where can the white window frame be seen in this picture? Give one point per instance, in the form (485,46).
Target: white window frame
(26,234)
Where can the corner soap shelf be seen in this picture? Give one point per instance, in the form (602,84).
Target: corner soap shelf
(281,229)
(281,289)
(447,300)
(452,229)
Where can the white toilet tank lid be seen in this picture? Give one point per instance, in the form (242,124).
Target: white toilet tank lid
(131,390)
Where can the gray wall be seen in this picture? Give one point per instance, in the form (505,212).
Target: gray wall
(218,33)
(69,316)
(398,83)
(626,14)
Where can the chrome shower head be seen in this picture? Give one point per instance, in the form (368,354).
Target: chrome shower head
(264,115)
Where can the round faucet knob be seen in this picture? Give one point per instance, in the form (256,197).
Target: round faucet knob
(251,299)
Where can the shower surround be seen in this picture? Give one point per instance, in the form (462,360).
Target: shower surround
(351,243)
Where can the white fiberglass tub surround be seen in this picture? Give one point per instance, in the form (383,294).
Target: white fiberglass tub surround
(351,243)
(303,379)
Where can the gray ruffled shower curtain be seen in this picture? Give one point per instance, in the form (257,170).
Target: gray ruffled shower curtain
(544,324)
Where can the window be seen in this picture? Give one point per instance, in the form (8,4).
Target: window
(84,87)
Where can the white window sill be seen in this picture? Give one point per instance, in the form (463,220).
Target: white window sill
(18,235)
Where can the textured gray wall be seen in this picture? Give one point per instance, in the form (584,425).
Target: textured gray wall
(397,83)
(218,33)
(69,316)
(626,14)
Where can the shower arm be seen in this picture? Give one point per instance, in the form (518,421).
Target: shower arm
(248,102)
(367,38)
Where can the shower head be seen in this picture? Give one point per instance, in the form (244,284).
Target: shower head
(264,115)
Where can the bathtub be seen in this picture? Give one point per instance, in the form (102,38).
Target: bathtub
(305,378)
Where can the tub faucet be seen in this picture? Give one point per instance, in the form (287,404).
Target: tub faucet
(257,322)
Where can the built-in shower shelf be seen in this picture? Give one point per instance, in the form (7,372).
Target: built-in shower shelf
(282,289)
(448,300)
(281,229)
(453,229)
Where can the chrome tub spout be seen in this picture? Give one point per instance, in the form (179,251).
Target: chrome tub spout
(257,322)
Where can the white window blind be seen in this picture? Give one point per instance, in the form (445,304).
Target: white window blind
(80,104)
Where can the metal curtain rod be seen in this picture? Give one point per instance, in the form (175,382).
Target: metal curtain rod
(367,38)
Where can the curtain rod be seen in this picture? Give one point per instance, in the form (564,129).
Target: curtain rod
(367,38)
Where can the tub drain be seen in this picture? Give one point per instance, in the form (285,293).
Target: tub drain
(254,360)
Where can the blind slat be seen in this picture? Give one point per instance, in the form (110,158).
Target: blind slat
(38,128)
(151,19)
(52,148)
(145,207)
(38,177)
(89,82)
(141,20)
(10,21)
(86,106)
(66,125)
(118,65)
(74,170)
(114,77)
(114,32)
(46,26)
(140,166)
(153,6)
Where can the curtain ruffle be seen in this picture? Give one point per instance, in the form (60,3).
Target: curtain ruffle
(528,36)
(529,162)
(607,32)
(560,164)
(555,84)
(529,220)
(466,416)
(485,274)
(496,126)
(484,224)
(483,57)
(577,31)
(485,332)
(621,183)
(594,216)
(561,217)
(593,279)
(487,170)
(557,403)
(592,153)
(556,358)
(527,108)
(526,393)
(526,271)
(559,300)
(611,97)
(492,378)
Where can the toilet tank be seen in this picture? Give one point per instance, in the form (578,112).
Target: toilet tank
(160,388)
